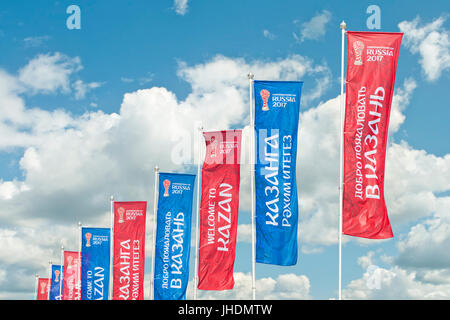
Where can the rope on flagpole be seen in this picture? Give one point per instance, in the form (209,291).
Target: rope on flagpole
(252,180)
(200,129)
(111,248)
(341,160)
(155,209)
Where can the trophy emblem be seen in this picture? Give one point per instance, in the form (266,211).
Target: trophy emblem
(43,286)
(56,275)
(265,94)
(69,262)
(121,211)
(213,147)
(166,184)
(88,239)
(358,47)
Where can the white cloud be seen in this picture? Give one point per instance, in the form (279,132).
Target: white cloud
(52,73)
(49,73)
(398,283)
(314,28)
(181,6)
(269,35)
(426,244)
(81,88)
(35,41)
(284,287)
(431,42)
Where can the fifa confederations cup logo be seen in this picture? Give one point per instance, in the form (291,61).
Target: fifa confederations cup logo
(69,262)
(56,275)
(166,184)
(358,47)
(265,94)
(121,211)
(43,286)
(88,239)
(213,147)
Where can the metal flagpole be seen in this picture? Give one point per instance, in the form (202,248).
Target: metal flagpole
(36,281)
(111,248)
(341,172)
(61,274)
(200,129)
(49,279)
(252,182)
(155,209)
(79,259)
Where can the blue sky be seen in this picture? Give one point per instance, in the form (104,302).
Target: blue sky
(106,87)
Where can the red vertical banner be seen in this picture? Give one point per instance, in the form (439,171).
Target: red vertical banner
(71,276)
(129,250)
(371,66)
(43,290)
(219,209)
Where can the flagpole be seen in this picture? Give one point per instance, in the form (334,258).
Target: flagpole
(341,171)
(49,279)
(61,276)
(155,209)
(200,129)
(36,281)
(111,248)
(252,182)
(79,259)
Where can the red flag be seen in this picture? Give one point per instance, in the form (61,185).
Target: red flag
(43,292)
(219,209)
(129,250)
(71,276)
(371,66)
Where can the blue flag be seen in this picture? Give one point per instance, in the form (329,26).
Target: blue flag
(277,105)
(56,285)
(173,236)
(95,252)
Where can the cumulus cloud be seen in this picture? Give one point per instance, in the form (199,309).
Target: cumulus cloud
(426,244)
(181,6)
(285,286)
(394,282)
(81,88)
(431,42)
(49,73)
(314,28)
(53,73)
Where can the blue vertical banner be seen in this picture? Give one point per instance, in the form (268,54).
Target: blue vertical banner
(95,251)
(277,107)
(173,235)
(55,293)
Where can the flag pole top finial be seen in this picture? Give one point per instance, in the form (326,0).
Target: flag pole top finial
(111,198)
(343,25)
(79,223)
(156,168)
(200,127)
(250,75)
(62,247)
